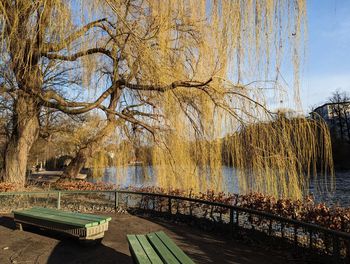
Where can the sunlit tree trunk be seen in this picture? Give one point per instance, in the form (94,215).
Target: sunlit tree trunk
(25,132)
(26,83)
(87,151)
(77,163)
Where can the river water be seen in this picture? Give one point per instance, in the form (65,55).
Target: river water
(138,176)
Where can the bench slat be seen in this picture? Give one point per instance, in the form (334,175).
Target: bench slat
(96,217)
(92,218)
(56,218)
(137,250)
(177,252)
(147,247)
(162,250)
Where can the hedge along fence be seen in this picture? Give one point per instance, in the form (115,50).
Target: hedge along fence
(297,233)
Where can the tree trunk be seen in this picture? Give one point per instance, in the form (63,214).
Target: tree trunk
(25,132)
(87,151)
(96,142)
(77,163)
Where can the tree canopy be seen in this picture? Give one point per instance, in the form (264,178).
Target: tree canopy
(170,72)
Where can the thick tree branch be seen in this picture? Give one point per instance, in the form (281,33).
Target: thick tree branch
(160,88)
(129,118)
(77,55)
(54,100)
(126,111)
(70,107)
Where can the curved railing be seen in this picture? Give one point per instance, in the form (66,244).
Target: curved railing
(300,234)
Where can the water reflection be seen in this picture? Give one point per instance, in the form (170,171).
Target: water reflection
(140,176)
(340,195)
(126,176)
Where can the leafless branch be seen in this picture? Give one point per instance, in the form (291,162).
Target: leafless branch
(77,55)
(55,47)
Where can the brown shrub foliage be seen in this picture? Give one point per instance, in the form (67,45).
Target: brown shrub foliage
(83,186)
(7,187)
(337,218)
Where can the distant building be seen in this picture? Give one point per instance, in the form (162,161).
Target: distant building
(337,117)
(330,111)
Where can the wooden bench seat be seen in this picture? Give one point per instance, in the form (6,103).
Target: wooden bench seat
(155,248)
(83,226)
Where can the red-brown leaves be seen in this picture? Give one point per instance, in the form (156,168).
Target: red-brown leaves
(83,186)
(307,210)
(7,187)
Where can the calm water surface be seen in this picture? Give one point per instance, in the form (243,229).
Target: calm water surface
(142,177)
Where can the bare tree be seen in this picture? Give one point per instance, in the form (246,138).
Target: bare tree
(340,115)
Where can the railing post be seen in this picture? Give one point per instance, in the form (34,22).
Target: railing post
(116,200)
(231,222)
(295,236)
(270,227)
(169,205)
(336,249)
(59,200)
(237,219)
(311,240)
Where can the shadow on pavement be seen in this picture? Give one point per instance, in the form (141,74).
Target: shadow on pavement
(69,251)
(212,247)
(7,222)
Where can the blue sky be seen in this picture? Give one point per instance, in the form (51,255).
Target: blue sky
(327,64)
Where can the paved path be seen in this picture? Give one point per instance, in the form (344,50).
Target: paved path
(38,247)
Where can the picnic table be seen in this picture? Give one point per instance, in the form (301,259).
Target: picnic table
(83,226)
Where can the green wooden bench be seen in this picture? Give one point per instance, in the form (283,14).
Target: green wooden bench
(83,226)
(155,248)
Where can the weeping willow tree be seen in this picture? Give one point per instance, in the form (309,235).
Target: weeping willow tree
(174,75)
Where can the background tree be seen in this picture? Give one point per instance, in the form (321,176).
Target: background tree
(339,124)
(340,115)
(32,33)
(60,137)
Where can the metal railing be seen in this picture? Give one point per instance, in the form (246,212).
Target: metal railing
(300,234)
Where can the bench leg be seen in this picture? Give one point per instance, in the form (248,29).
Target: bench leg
(19,226)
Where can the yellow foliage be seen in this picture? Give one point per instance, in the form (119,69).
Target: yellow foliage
(189,74)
